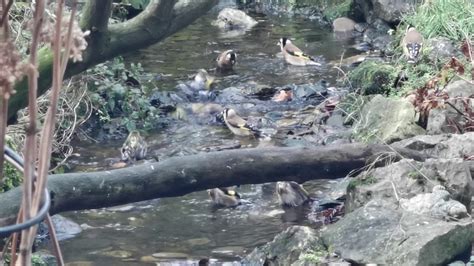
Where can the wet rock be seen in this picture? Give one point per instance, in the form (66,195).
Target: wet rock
(230,95)
(386,120)
(64,227)
(123,208)
(234,19)
(403,180)
(310,91)
(286,248)
(388,10)
(378,234)
(343,24)
(441,146)
(448,120)
(437,204)
(442,49)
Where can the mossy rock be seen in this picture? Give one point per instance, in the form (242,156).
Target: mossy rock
(373,77)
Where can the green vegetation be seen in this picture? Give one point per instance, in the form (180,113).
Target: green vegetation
(317,255)
(119,95)
(361,180)
(373,78)
(12,177)
(336,9)
(452,19)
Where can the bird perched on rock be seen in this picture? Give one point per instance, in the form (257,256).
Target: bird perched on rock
(412,43)
(224,197)
(134,148)
(237,124)
(226,60)
(293,55)
(291,194)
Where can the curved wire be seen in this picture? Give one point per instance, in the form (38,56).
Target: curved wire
(5,231)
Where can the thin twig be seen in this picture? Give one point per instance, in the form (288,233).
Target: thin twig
(54,241)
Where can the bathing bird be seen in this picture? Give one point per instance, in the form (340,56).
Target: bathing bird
(237,124)
(226,60)
(412,43)
(283,95)
(293,55)
(134,148)
(291,194)
(224,197)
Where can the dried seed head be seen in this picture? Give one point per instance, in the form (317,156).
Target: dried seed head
(78,42)
(11,68)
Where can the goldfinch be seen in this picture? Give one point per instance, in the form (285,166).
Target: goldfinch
(291,194)
(202,80)
(226,60)
(134,147)
(293,55)
(412,43)
(224,197)
(237,124)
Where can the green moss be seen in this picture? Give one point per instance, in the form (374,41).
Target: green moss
(373,77)
(316,255)
(358,181)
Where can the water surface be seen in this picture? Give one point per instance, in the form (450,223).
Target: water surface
(188,224)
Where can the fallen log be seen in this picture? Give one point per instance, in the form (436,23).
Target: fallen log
(178,176)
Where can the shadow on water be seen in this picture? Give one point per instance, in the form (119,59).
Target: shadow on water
(188,224)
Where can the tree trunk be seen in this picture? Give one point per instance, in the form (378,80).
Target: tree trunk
(178,176)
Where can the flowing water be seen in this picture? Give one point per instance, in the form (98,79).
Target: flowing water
(188,224)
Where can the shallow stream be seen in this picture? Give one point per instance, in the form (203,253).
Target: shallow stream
(188,224)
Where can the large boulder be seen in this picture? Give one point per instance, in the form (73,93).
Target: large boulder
(378,234)
(297,245)
(390,11)
(408,178)
(386,120)
(449,120)
(441,146)
(234,19)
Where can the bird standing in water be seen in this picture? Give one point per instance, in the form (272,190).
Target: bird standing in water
(412,43)
(294,56)
(134,148)
(237,124)
(226,61)
(224,197)
(291,194)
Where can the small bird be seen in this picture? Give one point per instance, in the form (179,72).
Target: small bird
(237,124)
(291,194)
(134,148)
(202,80)
(224,197)
(226,60)
(283,95)
(412,43)
(294,56)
